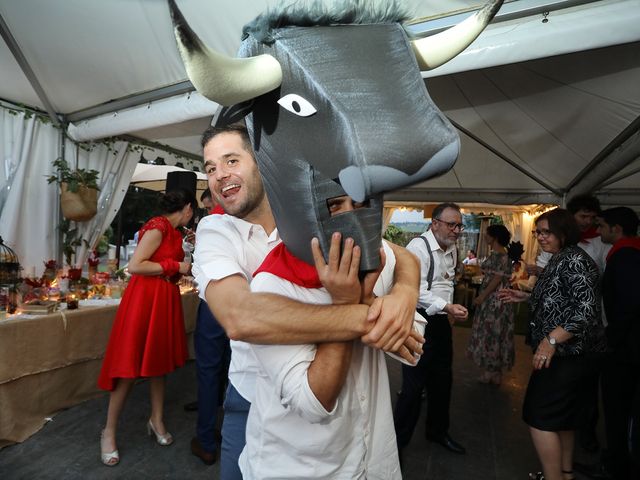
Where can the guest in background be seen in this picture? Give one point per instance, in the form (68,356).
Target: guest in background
(491,343)
(566,335)
(213,354)
(471,258)
(621,376)
(148,337)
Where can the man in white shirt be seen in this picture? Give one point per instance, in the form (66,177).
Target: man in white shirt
(322,411)
(231,247)
(437,252)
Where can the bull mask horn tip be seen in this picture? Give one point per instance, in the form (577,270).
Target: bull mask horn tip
(222,79)
(438,49)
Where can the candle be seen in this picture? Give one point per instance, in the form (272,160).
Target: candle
(72,301)
(112,253)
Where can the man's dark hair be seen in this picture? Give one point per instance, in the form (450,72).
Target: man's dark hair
(623,217)
(583,202)
(205,194)
(563,225)
(238,128)
(500,233)
(442,207)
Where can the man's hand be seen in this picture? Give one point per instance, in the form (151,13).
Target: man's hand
(411,348)
(340,275)
(393,315)
(457,312)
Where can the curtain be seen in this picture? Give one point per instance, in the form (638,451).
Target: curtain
(116,165)
(387,213)
(520,225)
(28,205)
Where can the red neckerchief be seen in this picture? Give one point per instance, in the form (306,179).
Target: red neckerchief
(217,210)
(281,263)
(633,242)
(591,232)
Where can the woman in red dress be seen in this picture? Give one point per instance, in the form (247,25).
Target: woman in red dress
(148,338)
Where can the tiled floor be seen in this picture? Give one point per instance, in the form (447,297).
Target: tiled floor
(485,419)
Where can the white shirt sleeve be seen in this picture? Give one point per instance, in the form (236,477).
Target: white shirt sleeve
(216,254)
(432,303)
(286,366)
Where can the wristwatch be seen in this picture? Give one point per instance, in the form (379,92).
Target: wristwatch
(552,340)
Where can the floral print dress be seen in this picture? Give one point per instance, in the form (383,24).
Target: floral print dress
(491,343)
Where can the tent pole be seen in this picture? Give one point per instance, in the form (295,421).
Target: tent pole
(622,151)
(10,40)
(505,158)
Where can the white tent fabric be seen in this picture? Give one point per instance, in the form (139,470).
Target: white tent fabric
(116,163)
(545,110)
(28,217)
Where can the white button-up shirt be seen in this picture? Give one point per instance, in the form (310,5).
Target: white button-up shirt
(291,435)
(444,263)
(225,246)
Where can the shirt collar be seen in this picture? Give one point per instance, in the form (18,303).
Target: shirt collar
(246,229)
(433,243)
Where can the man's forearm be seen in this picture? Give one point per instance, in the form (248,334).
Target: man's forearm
(328,372)
(407,269)
(265,318)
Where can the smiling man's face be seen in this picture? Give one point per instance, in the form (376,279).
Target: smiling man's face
(233,175)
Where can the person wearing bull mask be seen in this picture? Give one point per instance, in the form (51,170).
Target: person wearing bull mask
(331,399)
(231,247)
(289,89)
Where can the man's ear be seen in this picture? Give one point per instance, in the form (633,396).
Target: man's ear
(233,114)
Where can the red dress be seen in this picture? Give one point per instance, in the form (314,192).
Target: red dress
(148,338)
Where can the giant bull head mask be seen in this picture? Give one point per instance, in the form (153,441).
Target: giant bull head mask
(335,109)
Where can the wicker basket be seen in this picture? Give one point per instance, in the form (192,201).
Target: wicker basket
(78,206)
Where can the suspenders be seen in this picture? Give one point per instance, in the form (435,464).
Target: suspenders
(430,272)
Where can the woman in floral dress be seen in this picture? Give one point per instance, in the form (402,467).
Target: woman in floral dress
(491,342)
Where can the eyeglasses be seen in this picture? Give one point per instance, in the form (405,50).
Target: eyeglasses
(541,233)
(452,225)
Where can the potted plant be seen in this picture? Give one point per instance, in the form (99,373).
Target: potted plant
(78,191)
(70,240)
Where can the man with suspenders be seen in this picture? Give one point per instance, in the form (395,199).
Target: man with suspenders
(437,252)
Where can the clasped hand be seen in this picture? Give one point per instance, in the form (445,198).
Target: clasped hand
(391,316)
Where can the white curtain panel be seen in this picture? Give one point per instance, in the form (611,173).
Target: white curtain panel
(28,205)
(116,166)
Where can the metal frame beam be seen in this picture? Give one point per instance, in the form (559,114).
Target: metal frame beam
(506,159)
(11,42)
(622,137)
(509,11)
(131,101)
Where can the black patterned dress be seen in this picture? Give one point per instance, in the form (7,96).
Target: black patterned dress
(567,295)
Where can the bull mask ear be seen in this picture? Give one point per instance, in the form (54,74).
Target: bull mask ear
(436,50)
(223,79)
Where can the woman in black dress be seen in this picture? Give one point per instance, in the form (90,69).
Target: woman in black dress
(566,335)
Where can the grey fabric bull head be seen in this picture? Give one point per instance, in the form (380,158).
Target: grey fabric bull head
(333,109)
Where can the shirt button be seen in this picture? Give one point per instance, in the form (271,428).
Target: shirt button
(362,398)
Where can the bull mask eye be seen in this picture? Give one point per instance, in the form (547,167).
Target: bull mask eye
(297,105)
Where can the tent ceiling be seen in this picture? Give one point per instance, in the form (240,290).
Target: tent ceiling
(550,117)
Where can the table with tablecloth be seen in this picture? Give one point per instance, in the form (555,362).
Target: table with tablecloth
(51,362)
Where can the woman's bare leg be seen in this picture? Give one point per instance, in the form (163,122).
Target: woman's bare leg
(156,389)
(117,398)
(549,449)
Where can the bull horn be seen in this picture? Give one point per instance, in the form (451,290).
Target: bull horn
(435,50)
(223,79)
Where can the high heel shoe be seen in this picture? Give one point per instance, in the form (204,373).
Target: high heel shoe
(110,459)
(164,440)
